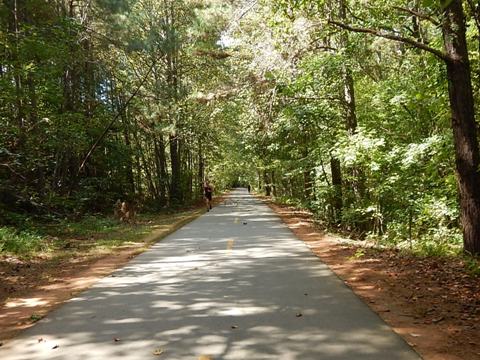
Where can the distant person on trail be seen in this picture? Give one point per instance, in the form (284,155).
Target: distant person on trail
(208,191)
(249,188)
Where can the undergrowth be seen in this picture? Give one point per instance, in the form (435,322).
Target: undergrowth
(440,241)
(21,242)
(90,232)
(64,236)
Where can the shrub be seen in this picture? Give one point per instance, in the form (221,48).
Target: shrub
(20,242)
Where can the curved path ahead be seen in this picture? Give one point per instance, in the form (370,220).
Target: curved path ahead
(233,284)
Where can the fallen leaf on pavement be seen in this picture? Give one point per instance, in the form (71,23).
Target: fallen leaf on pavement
(298,314)
(158,351)
(55,347)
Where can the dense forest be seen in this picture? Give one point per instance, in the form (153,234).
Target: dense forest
(365,113)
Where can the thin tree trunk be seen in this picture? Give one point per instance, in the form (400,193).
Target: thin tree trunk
(307,184)
(14,27)
(274,186)
(173,82)
(126,136)
(201,169)
(190,176)
(350,107)
(175,185)
(89,79)
(337,203)
(266,183)
(33,99)
(161,169)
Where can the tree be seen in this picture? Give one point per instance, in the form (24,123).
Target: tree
(464,125)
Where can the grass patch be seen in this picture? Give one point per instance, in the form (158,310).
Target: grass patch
(85,227)
(359,253)
(22,242)
(91,234)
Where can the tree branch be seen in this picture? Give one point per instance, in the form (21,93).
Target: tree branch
(107,129)
(9,167)
(311,98)
(419,15)
(440,54)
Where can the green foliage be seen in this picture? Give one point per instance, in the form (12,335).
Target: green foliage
(68,71)
(21,242)
(271,105)
(36,317)
(398,183)
(472,265)
(359,253)
(86,234)
(87,226)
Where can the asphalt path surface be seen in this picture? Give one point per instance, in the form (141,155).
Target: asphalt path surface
(234,284)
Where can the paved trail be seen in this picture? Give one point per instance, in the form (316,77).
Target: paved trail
(233,284)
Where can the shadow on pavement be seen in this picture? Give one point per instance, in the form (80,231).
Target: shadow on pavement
(217,287)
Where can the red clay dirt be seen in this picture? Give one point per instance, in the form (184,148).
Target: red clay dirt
(433,303)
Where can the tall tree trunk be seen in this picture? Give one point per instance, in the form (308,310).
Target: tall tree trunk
(173,83)
(307,184)
(175,185)
(274,186)
(348,84)
(161,169)
(138,164)
(15,11)
(147,170)
(201,169)
(307,173)
(190,175)
(32,93)
(90,91)
(126,136)
(266,182)
(463,123)
(349,105)
(150,164)
(337,202)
